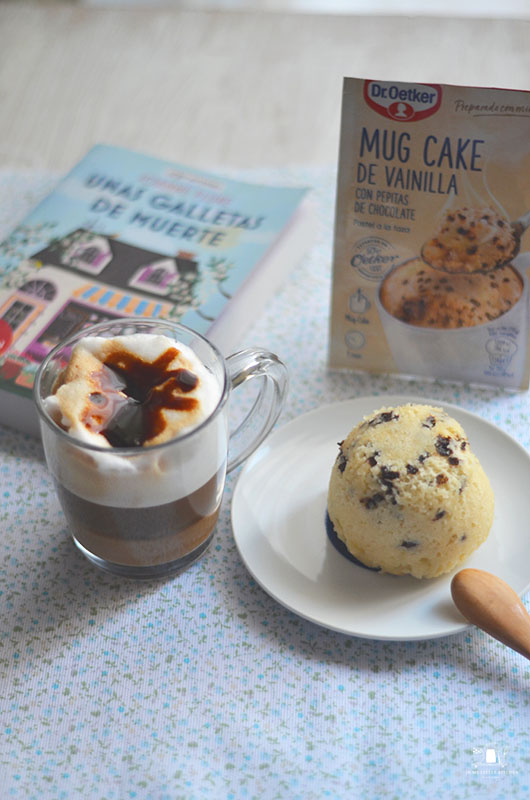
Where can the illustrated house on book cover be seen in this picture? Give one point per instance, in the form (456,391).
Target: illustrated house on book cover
(63,303)
(71,318)
(25,304)
(89,253)
(36,299)
(159,276)
(118,263)
(85,304)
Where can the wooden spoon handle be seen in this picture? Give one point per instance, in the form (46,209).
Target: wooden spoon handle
(489,603)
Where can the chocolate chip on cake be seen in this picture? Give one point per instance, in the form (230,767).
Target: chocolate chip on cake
(385,416)
(341,461)
(442,445)
(372,460)
(373,501)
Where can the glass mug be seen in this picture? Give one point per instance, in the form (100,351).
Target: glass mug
(151,511)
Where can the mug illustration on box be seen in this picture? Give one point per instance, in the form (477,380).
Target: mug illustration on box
(462,326)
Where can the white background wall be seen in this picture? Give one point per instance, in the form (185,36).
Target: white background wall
(507,9)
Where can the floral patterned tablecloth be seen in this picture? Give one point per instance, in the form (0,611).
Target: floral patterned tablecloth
(203,686)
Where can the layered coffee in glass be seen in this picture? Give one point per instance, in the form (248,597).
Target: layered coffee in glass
(135,430)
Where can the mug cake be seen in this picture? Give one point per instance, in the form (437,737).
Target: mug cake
(407,495)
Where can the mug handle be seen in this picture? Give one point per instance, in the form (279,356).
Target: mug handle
(255,426)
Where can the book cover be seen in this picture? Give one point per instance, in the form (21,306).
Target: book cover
(126,234)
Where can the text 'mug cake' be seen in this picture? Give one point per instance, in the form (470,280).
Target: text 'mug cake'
(407,494)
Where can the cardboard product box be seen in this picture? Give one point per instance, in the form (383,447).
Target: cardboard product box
(431,252)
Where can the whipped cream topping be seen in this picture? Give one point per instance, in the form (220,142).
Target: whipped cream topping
(133,390)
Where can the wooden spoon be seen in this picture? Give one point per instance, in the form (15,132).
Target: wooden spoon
(489,603)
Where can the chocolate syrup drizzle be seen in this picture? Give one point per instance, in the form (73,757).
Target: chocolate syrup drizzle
(144,390)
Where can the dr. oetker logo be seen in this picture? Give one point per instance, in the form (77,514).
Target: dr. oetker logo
(403,102)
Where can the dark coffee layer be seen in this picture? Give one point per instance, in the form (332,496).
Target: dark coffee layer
(144,536)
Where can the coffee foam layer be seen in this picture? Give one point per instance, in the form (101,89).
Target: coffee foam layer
(86,398)
(150,476)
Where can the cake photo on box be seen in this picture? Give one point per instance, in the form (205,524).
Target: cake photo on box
(407,495)
(459,311)
(425,297)
(470,240)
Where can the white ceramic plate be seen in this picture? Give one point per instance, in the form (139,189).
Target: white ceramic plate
(278,518)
